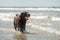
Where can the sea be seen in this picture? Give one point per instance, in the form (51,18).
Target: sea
(44,24)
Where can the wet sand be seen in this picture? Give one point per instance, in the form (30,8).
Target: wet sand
(28,36)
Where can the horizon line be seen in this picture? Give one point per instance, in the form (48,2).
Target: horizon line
(26,7)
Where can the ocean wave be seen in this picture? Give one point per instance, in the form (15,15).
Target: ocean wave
(48,9)
(7,16)
(46,29)
(56,19)
(40,28)
(10,16)
(38,17)
(47,17)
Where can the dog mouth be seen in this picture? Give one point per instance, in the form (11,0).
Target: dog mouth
(27,17)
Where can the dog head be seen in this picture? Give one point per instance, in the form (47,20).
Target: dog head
(25,15)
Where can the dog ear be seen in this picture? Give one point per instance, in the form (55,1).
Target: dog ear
(29,15)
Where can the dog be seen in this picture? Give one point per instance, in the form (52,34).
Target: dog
(22,22)
(16,22)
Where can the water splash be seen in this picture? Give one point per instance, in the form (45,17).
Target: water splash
(46,29)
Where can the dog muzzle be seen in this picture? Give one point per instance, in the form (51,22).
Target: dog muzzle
(27,17)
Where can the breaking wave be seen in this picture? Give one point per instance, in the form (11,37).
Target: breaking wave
(10,16)
(46,29)
(48,9)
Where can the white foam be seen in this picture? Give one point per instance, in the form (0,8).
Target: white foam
(56,19)
(48,9)
(10,16)
(38,17)
(7,16)
(47,29)
(53,18)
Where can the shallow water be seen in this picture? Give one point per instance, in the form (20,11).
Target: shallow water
(42,25)
(31,36)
